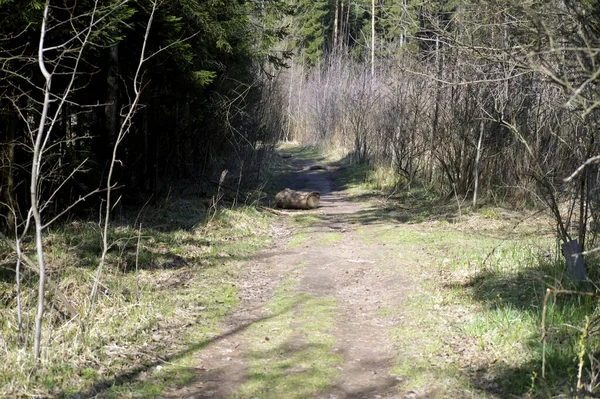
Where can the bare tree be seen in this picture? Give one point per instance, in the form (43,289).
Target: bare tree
(498,103)
(40,140)
(124,129)
(63,60)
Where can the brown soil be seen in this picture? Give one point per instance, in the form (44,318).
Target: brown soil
(348,270)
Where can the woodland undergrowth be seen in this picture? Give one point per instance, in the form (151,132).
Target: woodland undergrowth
(171,275)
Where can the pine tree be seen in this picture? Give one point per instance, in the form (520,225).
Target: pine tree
(311,27)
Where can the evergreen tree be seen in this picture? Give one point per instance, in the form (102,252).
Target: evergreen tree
(311,27)
(399,24)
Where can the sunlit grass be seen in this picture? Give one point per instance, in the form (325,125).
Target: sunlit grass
(328,239)
(165,285)
(505,288)
(470,326)
(473,325)
(291,350)
(305,220)
(299,239)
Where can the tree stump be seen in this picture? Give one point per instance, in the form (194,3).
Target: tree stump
(291,199)
(575,263)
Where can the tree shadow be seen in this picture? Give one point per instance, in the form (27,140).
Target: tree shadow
(522,293)
(521,290)
(132,375)
(303,368)
(7,272)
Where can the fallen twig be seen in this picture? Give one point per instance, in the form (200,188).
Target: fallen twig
(359,261)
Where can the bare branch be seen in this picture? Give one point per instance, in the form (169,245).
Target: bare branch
(86,32)
(581,167)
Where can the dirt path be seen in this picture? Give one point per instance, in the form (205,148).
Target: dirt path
(331,262)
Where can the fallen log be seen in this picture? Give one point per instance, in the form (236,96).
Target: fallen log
(328,168)
(291,199)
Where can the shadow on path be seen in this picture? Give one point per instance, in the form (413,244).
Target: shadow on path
(97,389)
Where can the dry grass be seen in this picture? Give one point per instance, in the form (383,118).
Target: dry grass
(171,280)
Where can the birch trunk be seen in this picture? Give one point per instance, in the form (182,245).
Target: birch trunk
(372,37)
(477,159)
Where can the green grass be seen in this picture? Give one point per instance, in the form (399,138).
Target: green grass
(291,355)
(311,153)
(503,291)
(490,213)
(328,239)
(354,179)
(299,239)
(306,220)
(164,286)
(473,323)
(176,369)
(303,223)
(302,238)
(469,326)
(510,297)
(424,342)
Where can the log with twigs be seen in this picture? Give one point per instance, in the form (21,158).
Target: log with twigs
(292,199)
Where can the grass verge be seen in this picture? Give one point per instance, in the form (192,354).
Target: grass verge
(472,325)
(170,276)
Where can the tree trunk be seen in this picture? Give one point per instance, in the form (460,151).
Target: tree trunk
(347,24)
(335,25)
(436,111)
(583,208)
(8,189)
(188,150)
(372,37)
(111,109)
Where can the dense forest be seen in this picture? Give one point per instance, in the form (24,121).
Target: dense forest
(117,103)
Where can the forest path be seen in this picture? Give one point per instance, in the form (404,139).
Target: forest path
(327,334)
